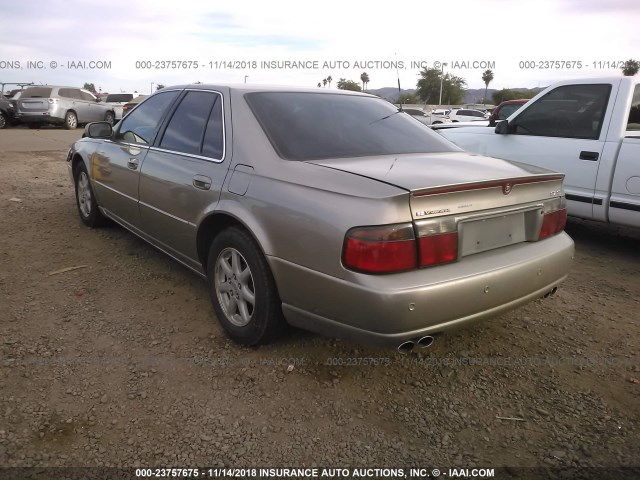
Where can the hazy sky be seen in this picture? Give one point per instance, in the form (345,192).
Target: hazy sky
(496,34)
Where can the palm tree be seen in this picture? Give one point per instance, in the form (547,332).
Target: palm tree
(324,82)
(630,67)
(329,80)
(487,76)
(319,85)
(365,79)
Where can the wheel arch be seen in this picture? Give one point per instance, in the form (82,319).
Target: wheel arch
(216,222)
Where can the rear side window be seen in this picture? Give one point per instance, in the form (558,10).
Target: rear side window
(70,93)
(195,117)
(570,111)
(306,126)
(119,97)
(633,123)
(36,92)
(141,126)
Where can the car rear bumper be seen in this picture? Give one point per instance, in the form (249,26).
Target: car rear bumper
(32,118)
(388,310)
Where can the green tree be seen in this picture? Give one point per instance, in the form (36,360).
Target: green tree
(329,80)
(344,84)
(500,96)
(159,86)
(324,82)
(487,77)
(630,67)
(90,87)
(365,80)
(407,98)
(428,87)
(319,84)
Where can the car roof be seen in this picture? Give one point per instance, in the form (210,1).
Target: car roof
(244,87)
(519,101)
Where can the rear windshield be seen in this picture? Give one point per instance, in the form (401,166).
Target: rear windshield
(307,126)
(119,97)
(36,92)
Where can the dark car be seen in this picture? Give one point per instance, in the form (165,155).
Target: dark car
(7,112)
(504,110)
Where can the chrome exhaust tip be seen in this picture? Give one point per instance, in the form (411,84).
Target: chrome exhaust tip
(551,292)
(406,347)
(425,341)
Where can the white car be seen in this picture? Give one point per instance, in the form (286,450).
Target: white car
(467,115)
(117,101)
(428,118)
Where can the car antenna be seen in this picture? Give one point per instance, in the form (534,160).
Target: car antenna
(399,89)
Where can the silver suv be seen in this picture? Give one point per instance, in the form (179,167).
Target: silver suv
(68,106)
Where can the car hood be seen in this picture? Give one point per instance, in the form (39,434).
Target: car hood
(415,172)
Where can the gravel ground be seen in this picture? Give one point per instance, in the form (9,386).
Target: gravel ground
(122,362)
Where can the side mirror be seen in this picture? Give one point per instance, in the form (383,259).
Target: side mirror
(98,130)
(503,127)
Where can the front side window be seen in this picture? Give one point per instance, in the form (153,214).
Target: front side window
(306,126)
(188,127)
(87,96)
(633,122)
(506,111)
(570,111)
(142,125)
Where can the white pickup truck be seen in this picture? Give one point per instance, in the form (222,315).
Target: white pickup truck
(588,129)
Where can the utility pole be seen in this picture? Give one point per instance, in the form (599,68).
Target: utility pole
(441,79)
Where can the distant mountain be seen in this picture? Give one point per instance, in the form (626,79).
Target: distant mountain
(390,93)
(471,95)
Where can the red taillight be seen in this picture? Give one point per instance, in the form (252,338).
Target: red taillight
(436,249)
(553,223)
(385,249)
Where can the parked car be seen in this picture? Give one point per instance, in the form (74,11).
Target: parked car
(425,117)
(325,210)
(504,110)
(127,107)
(7,113)
(467,115)
(68,106)
(441,112)
(588,129)
(117,102)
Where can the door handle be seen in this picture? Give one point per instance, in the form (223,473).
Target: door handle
(592,156)
(132,163)
(202,182)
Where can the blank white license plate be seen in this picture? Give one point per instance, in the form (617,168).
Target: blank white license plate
(487,234)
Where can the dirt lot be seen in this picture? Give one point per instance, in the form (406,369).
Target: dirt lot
(122,363)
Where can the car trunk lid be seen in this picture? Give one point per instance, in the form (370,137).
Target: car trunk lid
(486,203)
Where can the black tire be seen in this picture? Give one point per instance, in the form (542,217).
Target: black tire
(34,126)
(4,123)
(110,118)
(70,121)
(86,200)
(237,268)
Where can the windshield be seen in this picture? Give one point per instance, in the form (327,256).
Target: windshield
(306,126)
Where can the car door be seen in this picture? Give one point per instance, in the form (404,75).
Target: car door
(624,205)
(183,173)
(95,111)
(115,166)
(562,131)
